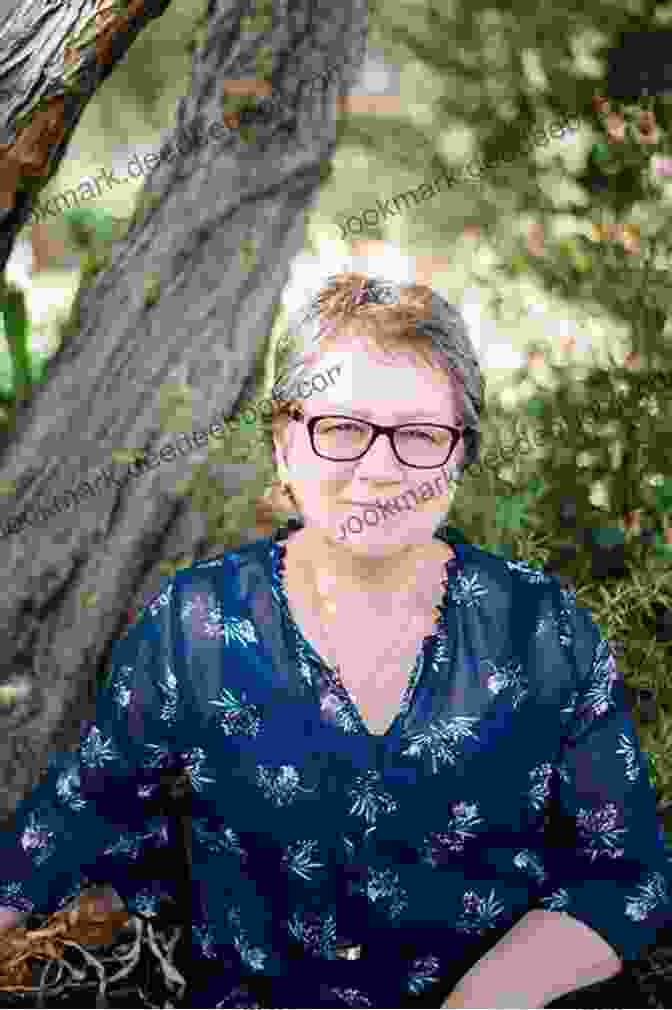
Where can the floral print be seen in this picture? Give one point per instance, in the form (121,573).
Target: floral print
(533,575)
(237,717)
(370,799)
(424,972)
(507,677)
(479,913)
(351,997)
(652,894)
(384,886)
(598,826)
(465,816)
(279,787)
(311,835)
(467,591)
(38,839)
(299,859)
(252,957)
(628,749)
(527,861)
(439,740)
(317,934)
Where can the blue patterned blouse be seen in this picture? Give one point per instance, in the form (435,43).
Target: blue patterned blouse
(334,867)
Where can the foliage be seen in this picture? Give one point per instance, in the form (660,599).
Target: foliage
(16,330)
(506,507)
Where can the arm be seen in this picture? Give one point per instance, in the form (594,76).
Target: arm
(9,918)
(606,889)
(98,795)
(525,970)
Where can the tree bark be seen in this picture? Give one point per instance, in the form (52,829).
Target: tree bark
(54,57)
(175,307)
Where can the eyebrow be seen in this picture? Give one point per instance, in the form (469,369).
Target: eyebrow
(353,411)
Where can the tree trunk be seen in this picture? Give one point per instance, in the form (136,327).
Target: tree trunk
(178,305)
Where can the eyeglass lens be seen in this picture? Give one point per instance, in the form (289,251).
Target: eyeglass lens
(416,444)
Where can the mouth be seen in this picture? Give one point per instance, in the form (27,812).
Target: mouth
(365,504)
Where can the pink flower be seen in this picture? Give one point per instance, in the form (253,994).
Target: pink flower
(472,231)
(630,236)
(615,126)
(648,129)
(633,361)
(536,240)
(535,359)
(662,167)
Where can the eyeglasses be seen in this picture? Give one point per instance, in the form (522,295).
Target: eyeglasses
(341,438)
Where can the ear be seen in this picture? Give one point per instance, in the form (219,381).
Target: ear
(281,442)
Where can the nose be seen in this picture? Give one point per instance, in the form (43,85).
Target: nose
(380,462)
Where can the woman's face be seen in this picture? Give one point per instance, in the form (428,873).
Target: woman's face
(389,390)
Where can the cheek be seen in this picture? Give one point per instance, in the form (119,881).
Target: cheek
(330,486)
(316,482)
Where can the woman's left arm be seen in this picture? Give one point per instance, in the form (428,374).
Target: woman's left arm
(544,956)
(606,866)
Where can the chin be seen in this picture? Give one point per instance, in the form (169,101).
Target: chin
(381,542)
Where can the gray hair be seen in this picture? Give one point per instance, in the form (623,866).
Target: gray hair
(445,327)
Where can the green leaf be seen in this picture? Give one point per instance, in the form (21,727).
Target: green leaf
(663,550)
(17,333)
(535,407)
(608,536)
(601,153)
(511,513)
(92,222)
(653,765)
(663,495)
(455,536)
(536,488)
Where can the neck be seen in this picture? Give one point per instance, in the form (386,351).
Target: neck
(367,574)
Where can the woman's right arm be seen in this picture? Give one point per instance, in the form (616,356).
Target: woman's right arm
(93,802)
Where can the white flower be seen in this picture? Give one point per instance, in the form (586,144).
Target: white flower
(370,799)
(440,739)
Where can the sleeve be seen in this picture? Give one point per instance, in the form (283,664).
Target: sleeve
(605,852)
(90,816)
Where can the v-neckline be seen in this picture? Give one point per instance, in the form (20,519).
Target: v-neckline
(305,649)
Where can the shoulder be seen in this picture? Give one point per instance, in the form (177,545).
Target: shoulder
(229,569)
(216,574)
(506,574)
(535,599)
(561,642)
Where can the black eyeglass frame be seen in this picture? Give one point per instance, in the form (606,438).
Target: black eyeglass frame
(378,429)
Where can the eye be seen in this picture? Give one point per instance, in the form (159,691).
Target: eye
(435,436)
(419,433)
(342,426)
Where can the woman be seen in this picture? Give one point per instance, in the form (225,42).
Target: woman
(416,780)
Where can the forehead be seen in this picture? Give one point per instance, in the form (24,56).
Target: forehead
(402,383)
